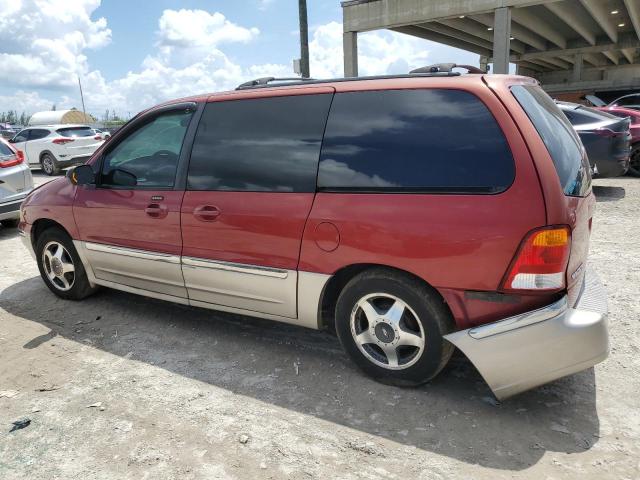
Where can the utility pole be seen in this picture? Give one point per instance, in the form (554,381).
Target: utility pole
(304,39)
(82,98)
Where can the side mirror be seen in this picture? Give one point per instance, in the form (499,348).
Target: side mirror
(82,175)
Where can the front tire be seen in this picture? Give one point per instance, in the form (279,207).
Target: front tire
(392,326)
(49,165)
(60,266)
(634,161)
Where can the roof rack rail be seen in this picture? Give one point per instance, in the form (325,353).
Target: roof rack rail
(446,68)
(262,81)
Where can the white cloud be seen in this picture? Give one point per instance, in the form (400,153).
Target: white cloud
(264,4)
(43,41)
(49,51)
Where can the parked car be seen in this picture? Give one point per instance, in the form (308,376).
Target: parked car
(102,133)
(15,183)
(634,117)
(606,137)
(54,147)
(631,101)
(411,214)
(7,131)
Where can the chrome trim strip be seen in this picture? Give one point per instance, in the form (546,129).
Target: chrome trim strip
(132,252)
(519,321)
(234,267)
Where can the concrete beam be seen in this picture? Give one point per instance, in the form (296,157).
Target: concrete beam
(444,39)
(456,34)
(544,64)
(350,48)
(517,32)
(613,56)
(601,14)
(474,28)
(374,15)
(573,47)
(577,67)
(633,7)
(629,54)
(558,62)
(501,40)
(570,16)
(527,19)
(595,59)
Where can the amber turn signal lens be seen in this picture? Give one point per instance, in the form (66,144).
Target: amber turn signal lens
(551,238)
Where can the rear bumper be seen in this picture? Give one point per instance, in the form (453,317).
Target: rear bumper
(534,348)
(11,210)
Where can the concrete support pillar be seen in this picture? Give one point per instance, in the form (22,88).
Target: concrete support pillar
(350,47)
(578,62)
(501,39)
(484,61)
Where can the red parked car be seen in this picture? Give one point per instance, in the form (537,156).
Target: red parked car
(634,116)
(411,214)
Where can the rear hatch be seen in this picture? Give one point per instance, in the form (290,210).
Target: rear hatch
(82,141)
(574,202)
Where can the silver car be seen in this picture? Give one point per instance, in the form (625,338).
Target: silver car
(15,183)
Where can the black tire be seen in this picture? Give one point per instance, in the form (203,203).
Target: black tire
(79,286)
(11,223)
(634,162)
(424,306)
(49,165)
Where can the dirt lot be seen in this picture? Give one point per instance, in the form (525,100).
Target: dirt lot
(179,392)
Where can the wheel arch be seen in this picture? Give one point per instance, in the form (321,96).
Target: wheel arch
(42,224)
(341,277)
(45,152)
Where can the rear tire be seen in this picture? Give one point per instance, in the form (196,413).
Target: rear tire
(60,265)
(11,223)
(392,326)
(634,161)
(49,165)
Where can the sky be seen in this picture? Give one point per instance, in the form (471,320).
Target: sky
(133,54)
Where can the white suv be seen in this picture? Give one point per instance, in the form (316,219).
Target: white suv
(53,147)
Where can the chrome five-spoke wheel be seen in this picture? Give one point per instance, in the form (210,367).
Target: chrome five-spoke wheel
(387,331)
(58,266)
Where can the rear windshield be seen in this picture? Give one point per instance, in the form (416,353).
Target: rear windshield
(559,137)
(76,132)
(5,150)
(580,115)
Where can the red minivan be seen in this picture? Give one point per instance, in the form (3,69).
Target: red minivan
(411,214)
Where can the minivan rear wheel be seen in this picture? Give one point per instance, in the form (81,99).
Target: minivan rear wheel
(392,326)
(49,165)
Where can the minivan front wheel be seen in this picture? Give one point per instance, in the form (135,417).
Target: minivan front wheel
(392,327)
(49,165)
(60,266)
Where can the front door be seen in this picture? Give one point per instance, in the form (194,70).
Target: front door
(250,188)
(129,223)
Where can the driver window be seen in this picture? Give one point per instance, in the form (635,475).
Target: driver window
(148,157)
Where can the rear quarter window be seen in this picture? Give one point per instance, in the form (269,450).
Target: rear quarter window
(561,140)
(5,150)
(429,140)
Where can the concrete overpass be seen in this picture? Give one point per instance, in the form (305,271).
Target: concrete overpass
(569,45)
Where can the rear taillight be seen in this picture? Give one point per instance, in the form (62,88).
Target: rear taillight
(62,141)
(541,261)
(97,137)
(13,160)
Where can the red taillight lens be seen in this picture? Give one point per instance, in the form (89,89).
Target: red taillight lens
(62,141)
(97,137)
(541,261)
(13,160)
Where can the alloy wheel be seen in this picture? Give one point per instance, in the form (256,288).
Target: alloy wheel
(47,165)
(387,331)
(58,265)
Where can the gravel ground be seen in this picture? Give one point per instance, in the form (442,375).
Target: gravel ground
(125,387)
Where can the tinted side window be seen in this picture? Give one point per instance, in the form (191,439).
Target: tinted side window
(38,133)
(414,140)
(5,150)
(267,144)
(559,137)
(631,100)
(148,157)
(22,136)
